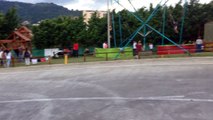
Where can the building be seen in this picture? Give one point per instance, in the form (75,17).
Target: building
(208,36)
(87,14)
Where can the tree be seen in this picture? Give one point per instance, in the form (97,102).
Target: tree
(1,25)
(10,22)
(59,32)
(96,31)
(197,15)
(63,31)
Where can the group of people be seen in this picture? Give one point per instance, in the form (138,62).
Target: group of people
(138,48)
(6,56)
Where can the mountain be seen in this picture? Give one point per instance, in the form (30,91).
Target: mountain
(36,12)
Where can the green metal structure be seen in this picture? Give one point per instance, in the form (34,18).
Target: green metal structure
(145,25)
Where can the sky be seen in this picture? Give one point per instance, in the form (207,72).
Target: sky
(102,4)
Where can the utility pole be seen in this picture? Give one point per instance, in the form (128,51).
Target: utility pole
(108,24)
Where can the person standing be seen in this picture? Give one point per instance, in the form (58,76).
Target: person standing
(8,56)
(1,56)
(105,45)
(27,55)
(199,44)
(134,48)
(75,49)
(139,49)
(86,51)
(20,55)
(151,47)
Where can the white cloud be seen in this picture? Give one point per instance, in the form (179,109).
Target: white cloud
(60,2)
(81,5)
(102,4)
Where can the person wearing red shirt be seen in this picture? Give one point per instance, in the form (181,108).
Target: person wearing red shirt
(139,49)
(75,49)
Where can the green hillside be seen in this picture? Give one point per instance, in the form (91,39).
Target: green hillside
(36,12)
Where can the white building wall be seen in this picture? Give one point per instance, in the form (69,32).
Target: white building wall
(87,14)
(208,32)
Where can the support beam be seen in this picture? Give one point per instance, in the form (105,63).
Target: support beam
(108,25)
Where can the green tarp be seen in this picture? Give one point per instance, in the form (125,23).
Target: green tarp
(112,52)
(38,53)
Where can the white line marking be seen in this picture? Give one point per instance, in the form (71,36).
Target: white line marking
(109,98)
(163,97)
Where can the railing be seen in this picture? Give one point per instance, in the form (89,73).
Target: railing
(106,56)
(172,49)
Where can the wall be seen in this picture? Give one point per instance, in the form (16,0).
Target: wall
(208,32)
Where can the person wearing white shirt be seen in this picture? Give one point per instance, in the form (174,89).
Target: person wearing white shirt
(134,48)
(199,44)
(1,57)
(8,55)
(151,47)
(105,45)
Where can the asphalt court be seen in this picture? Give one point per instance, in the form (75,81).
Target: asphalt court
(145,89)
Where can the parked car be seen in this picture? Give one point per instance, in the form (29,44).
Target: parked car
(61,53)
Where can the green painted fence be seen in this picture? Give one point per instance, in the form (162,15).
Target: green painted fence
(112,52)
(38,53)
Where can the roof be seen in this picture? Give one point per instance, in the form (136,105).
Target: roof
(20,33)
(22,36)
(24,28)
(6,41)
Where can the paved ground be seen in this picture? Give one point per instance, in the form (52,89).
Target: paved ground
(151,89)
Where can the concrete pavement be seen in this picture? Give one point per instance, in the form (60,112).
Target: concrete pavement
(145,89)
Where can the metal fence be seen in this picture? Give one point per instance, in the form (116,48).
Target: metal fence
(107,56)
